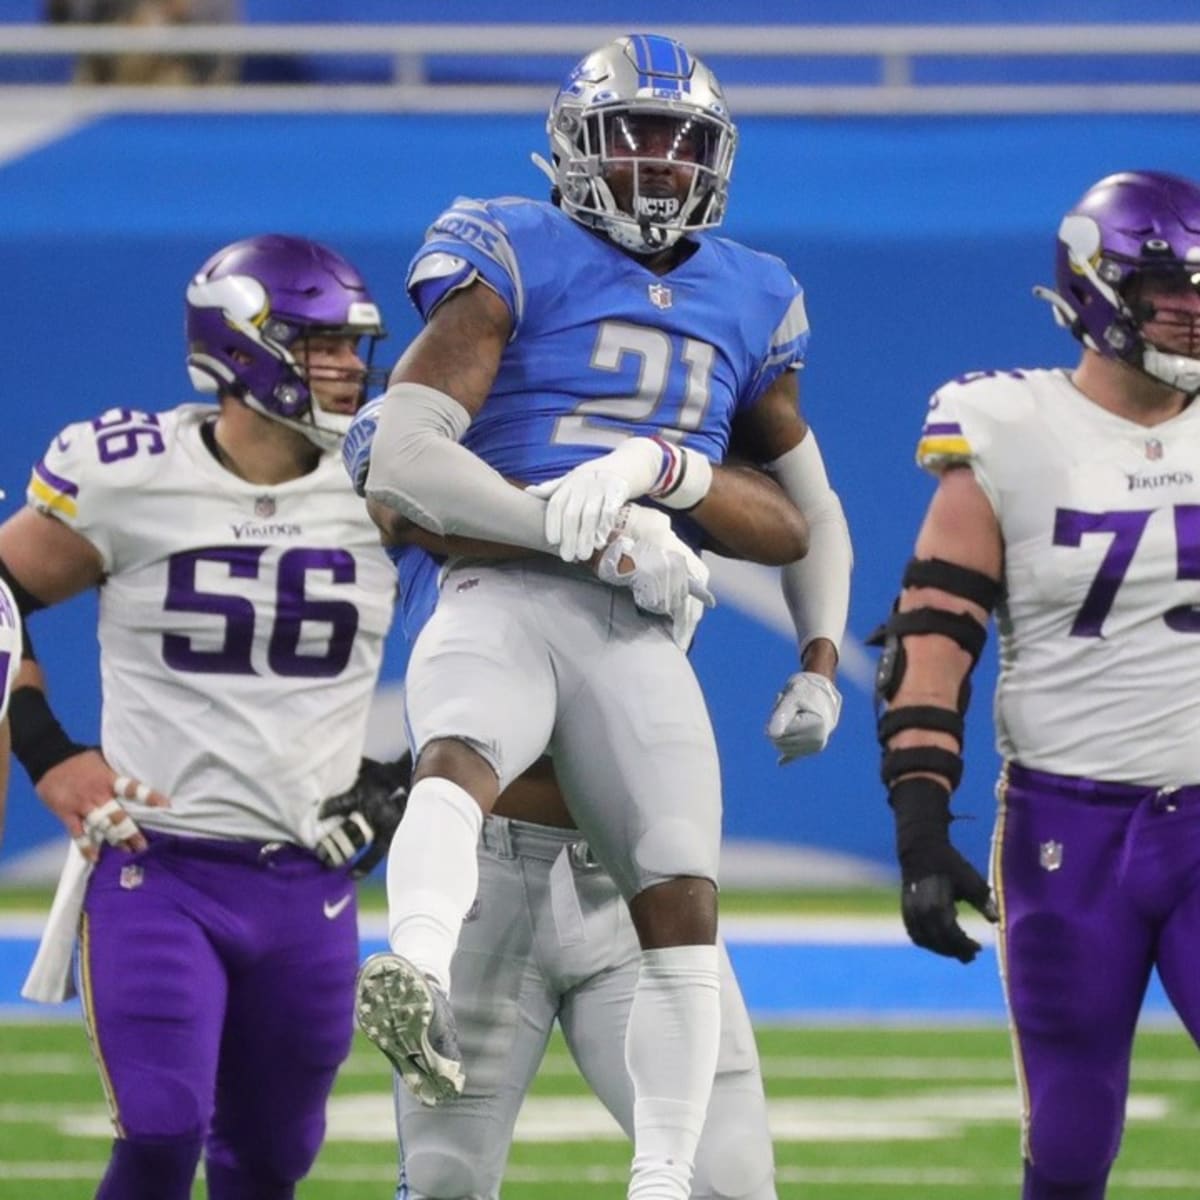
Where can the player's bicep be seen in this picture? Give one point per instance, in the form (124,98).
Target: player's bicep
(771,426)
(48,559)
(459,350)
(961,526)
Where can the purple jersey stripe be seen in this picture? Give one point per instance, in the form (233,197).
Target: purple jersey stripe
(940,430)
(57,482)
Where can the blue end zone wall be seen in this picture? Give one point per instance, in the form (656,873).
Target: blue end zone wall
(918,242)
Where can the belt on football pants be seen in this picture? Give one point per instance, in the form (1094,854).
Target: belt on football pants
(563,849)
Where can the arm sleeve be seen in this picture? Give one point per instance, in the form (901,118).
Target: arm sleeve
(817,588)
(419,469)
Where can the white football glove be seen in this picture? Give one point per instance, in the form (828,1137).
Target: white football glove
(806,712)
(583,504)
(667,578)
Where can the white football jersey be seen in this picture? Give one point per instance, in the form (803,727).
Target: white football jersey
(1100,627)
(241,625)
(10,645)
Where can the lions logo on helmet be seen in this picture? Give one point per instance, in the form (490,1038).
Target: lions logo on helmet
(642,143)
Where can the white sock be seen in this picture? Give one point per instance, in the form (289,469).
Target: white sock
(432,875)
(671,1053)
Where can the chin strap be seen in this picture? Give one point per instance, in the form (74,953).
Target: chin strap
(1176,371)
(545,168)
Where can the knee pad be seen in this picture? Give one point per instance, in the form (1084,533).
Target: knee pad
(1075,1131)
(735,1159)
(440,1175)
(151,1168)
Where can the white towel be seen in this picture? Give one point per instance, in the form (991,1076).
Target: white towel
(50,979)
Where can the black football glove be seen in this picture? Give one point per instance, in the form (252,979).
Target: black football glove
(933,875)
(370,812)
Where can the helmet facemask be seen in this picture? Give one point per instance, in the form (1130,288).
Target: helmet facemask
(642,175)
(642,144)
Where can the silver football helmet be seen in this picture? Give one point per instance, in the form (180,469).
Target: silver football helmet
(641,143)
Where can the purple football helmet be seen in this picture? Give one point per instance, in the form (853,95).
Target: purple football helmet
(252,305)
(1128,228)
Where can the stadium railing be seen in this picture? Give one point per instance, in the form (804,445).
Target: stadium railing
(869,69)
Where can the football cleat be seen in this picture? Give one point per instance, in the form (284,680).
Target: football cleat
(407,1016)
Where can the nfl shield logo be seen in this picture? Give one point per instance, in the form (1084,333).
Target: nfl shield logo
(660,295)
(264,506)
(1154,449)
(131,877)
(1050,855)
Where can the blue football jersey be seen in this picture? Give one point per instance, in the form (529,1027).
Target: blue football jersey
(603,348)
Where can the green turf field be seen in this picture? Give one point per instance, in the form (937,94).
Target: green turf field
(858,1114)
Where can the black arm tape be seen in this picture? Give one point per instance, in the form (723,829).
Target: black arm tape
(920,716)
(931,759)
(949,577)
(39,742)
(921,797)
(958,627)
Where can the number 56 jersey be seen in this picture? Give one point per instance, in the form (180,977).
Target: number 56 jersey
(241,625)
(1100,625)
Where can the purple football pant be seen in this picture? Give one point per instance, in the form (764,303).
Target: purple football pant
(1098,883)
(217,980)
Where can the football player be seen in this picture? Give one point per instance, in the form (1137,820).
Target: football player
(243,605)
(555,331)
(1069,502)
(548,938)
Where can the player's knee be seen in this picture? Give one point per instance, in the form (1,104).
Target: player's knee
(441,1174)
(735,1159)
(741,1172)
(462,764)
(678,912)
(1075,1130)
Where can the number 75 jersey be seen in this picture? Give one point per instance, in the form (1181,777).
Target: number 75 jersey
(241,626)
(1100,626)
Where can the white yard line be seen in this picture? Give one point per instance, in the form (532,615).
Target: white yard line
(1141,1183)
